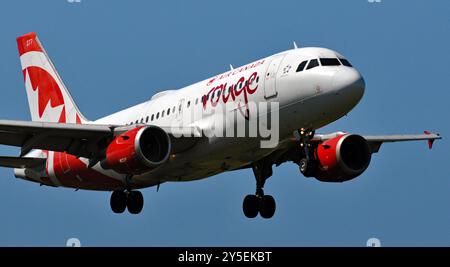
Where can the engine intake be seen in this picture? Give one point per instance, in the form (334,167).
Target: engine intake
(138,150)
(342,158)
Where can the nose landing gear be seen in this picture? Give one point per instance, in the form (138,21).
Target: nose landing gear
(307,164)
(259,202)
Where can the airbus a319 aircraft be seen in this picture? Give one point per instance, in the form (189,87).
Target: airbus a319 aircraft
(137,147)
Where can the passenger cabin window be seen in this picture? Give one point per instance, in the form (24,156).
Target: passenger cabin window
(168,111)
(162,114)
(312,64)
(188,103)
(153,116)
(345,62)
(302,65)
(329,62)
(142,120)
(157,115)
(146,119)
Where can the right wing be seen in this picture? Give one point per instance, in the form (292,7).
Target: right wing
(17,162)
(76,139)
(81,140)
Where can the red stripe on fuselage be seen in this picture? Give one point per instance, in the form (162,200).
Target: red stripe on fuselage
(72,172)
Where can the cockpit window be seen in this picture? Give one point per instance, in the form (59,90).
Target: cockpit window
(329,62)
(312,64)
(345,62)
(302,65)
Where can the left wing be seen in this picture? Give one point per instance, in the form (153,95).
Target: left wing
(375,141)
(293,150)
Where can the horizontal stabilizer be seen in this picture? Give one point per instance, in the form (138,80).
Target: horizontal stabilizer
(16,162)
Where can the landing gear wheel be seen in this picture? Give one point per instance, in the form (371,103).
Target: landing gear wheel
(307,167)
(118,201)
(135,202)
(267,207)
(260,203)
(250,206)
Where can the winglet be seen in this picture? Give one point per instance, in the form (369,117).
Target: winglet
(430,141)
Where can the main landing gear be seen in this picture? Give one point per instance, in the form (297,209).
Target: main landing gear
(260,203)
(121,200)
(307,163)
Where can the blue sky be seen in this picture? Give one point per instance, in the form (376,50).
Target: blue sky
(114,54)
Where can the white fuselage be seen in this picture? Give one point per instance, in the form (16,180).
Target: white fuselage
(308,99)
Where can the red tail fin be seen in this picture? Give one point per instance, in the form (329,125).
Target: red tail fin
(48,98)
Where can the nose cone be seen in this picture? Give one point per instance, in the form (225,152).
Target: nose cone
(349,83)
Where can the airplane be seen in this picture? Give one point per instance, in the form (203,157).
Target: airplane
(307,89)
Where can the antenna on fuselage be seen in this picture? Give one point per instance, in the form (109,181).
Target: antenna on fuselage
(231,67)
(295,45)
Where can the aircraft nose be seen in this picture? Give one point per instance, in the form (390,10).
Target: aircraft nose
(349,82)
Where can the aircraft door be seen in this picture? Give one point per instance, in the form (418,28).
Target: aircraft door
(270,89)
(179,110)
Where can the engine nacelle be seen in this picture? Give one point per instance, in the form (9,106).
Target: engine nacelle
(138,150)
(342,158)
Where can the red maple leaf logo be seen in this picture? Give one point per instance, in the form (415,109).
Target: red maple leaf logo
(48,90)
